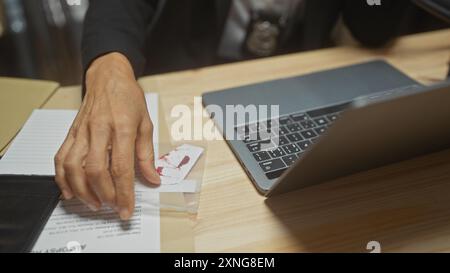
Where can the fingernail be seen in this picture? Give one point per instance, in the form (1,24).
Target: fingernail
(153,178)
(67,195)
(124,214)
(156,179)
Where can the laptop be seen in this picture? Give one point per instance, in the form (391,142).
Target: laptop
(332,124)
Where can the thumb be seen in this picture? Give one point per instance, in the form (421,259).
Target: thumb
(145,152)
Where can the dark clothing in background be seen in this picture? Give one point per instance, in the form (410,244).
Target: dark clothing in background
(188,31)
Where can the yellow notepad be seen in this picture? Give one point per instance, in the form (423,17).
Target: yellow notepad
(18,98)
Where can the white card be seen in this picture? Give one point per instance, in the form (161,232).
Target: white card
(176,165)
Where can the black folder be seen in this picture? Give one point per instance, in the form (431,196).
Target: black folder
(26,203)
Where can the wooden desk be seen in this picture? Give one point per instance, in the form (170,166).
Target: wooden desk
(406,206)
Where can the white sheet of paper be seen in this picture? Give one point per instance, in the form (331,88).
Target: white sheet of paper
(33,150)
(74,228)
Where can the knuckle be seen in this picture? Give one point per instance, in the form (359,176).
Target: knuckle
(98,124)
(94,170)
(59,159)
(121,169)
(147,127)
(73,131)
(123,121)
(69,166)
(125,131)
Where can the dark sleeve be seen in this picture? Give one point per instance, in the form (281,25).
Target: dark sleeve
(377,24)
(320,17)
(117,26)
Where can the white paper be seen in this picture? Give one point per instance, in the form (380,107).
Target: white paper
(74,228)
(33,150)
(152,108)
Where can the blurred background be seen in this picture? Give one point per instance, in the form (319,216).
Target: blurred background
(40,39)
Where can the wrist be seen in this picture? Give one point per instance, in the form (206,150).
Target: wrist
(113,64)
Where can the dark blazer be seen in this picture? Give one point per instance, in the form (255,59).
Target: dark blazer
(188,31)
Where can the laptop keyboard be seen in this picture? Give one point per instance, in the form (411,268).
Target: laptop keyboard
(296,133)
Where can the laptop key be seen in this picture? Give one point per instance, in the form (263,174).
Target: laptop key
(294,137)
(272,165)
(332,117)
(261,156)
(308,124)
(321,121)
(290,159)
(291,149)
(275,174)
(304,144)
(248,138)
(266,145)
(254,147)
(255,137)
(299,117)
(284,121)
(278,152)
(280,141)
(283,131)
(308,134)
(320,130)
(294,127)
(283,141)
